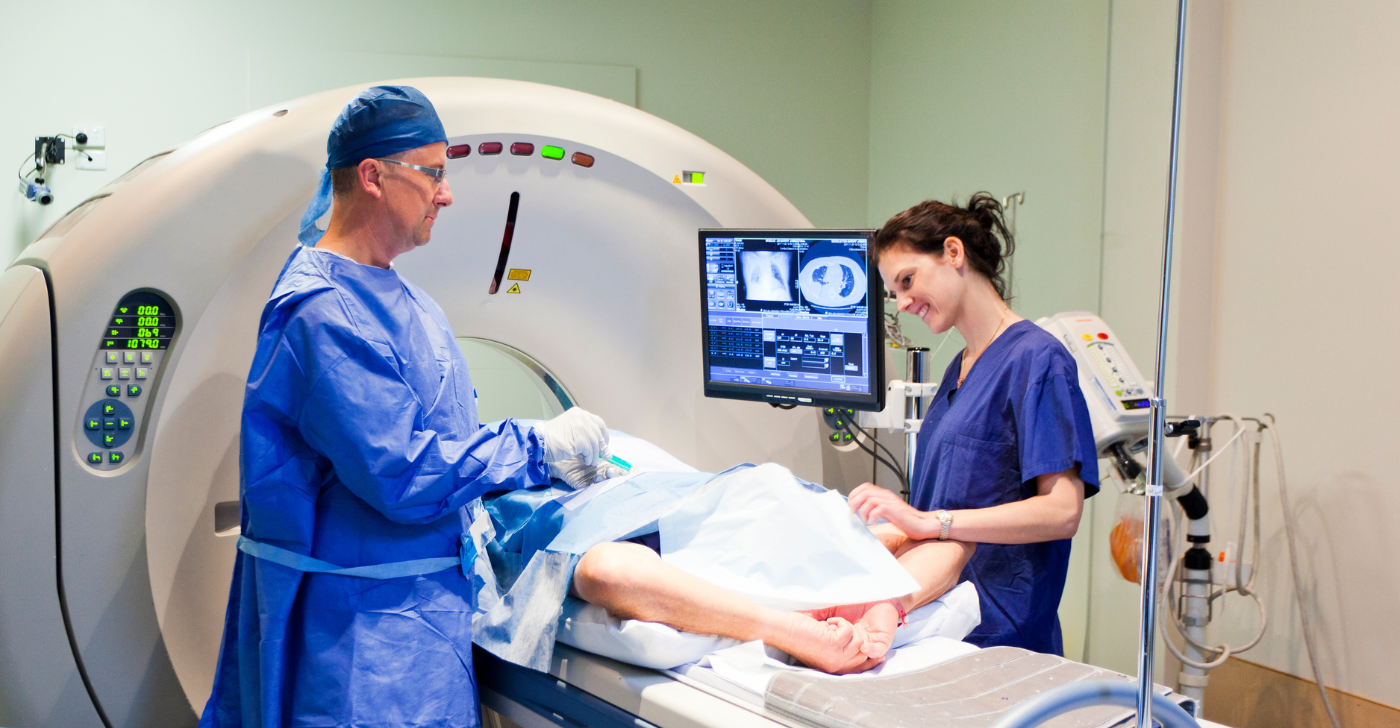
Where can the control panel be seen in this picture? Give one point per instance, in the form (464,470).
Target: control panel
(1118,396)
(129,356)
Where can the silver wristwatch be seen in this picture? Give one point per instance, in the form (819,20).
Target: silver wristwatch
(945,520)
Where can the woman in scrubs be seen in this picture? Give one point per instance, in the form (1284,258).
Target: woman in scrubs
(1006,453)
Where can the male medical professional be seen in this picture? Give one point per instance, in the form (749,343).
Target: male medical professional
(360,447)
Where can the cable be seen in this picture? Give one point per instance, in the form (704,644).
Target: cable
(1297,576)
(858,439)
(873,439)
(22,174)
(1239,430)
(878,458)
(1171,603)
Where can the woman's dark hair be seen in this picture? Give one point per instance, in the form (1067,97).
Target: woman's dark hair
(980,226)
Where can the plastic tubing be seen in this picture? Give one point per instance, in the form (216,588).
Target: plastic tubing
(1061,700)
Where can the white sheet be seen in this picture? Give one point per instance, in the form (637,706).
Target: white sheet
(761,534)
(751,666)
(648,644)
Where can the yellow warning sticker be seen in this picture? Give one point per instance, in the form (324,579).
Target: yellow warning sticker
(515,288)
(518,274)
(677,180)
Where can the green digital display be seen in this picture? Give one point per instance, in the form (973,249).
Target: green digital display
(142,320)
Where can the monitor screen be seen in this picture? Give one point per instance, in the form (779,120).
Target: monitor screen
(787,317)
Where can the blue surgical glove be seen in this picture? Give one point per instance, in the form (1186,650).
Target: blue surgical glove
(576,433)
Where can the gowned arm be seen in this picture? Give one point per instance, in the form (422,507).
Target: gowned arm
(368,422)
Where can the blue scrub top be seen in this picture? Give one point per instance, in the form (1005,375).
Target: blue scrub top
(1019,414)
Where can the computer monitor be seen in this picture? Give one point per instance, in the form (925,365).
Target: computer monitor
(792,317)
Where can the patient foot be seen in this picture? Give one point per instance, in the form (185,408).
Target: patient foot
(876,620)
(833,645)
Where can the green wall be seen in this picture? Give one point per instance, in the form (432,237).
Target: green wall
(782,85)
(1005,96)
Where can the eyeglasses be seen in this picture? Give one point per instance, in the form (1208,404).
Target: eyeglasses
(438,175)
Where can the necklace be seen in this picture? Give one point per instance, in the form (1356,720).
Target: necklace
(991,338)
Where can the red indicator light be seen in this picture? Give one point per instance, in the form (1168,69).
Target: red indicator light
(458,151)
(581,159)
(489,148)
(522,149)
(1103,336)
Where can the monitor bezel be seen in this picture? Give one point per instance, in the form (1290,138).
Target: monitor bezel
(790,396)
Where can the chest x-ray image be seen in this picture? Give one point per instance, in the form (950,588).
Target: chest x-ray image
(767,275)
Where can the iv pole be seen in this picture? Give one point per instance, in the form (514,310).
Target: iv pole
(1079,695)
(1147,634)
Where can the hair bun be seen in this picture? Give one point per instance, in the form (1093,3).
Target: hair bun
(980,225)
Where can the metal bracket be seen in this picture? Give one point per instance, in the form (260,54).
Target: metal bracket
(892,416)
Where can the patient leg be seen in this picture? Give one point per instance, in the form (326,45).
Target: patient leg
(632,582)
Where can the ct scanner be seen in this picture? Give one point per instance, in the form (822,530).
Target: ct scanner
(113,582)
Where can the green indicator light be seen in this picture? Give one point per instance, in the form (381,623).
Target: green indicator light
(697,178)
(549,152)
(835,437)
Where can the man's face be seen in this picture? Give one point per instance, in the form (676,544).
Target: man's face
(412,198)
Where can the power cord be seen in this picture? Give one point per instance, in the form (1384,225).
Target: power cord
(860,436)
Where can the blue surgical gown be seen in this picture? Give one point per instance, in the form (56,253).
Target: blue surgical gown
(1019,414)
(360,445)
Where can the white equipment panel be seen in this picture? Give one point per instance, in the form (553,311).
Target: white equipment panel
(1121,397)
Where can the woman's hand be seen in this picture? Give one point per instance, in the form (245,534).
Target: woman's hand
(870,502)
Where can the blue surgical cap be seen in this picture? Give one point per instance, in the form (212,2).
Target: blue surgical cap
(380,121)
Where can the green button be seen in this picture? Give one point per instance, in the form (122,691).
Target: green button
(108,372)
(94,424)
(114,457)
(549,152)
(133,390)
(123,423)
(114,391)
(109,409)
(95,458)
(109,440)
(146,357)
